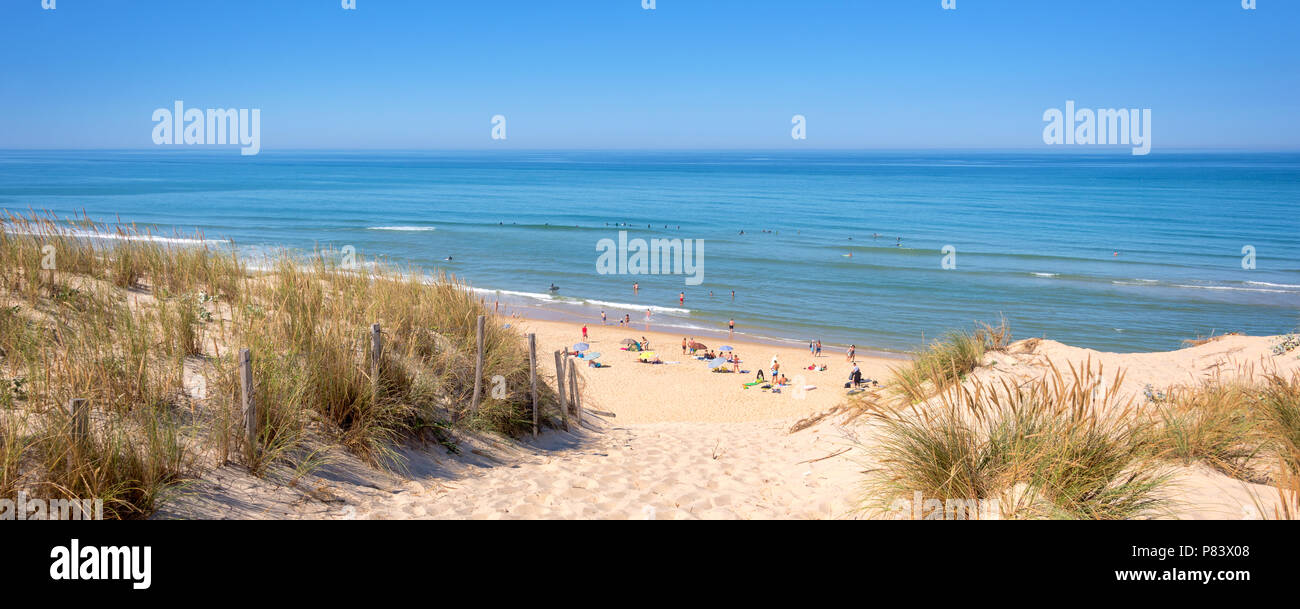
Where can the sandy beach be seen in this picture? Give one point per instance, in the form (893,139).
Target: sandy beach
(676,441)
(684,389)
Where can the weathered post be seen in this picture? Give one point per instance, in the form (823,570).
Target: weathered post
(559,384)
(376,356)
(478,365)
(79,417)
(532,378)
(79,411)
(575,394)
(247,401)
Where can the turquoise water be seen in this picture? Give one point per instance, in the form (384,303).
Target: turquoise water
(1035,234)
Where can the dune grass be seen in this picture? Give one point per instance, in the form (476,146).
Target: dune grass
(1213,423)
(1063,445)
(1278,407)
(1059,446)
(133,323)
(944,363)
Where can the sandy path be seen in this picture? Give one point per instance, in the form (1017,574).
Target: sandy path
(665,471)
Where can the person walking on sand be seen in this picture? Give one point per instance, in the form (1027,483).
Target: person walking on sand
(683,345)
(852,349)
(603,319)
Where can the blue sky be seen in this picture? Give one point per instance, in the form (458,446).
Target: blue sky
(430,74)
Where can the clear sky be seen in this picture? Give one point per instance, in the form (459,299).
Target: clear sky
(430,74)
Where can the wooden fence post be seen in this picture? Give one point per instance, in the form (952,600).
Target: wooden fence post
(532,378)
(246,399)
(79,411)
(478,365)
(79,417)
(559,384)
(376,355)
(575,394)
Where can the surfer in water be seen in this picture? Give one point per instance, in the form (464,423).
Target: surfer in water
(554,288)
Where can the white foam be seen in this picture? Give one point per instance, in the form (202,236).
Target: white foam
(1232,289)
(1274,285)
(85,234)
(635,307)
(403,228)
(532,295)
(1046,274)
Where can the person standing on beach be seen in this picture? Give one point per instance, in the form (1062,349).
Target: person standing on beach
(683,345)
(603,319)
(584,333)
(731,328)
(681,299)
(852,350)
(812,348)
(819,348)
(627,319)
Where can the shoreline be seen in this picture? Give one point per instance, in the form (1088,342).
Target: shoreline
(586,313)
(684,389)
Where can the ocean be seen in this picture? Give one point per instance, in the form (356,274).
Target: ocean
(1102,250)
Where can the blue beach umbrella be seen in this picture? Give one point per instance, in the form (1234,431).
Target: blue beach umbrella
(717,362)
(581,347)
(724,348)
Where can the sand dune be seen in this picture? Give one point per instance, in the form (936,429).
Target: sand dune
(680,442)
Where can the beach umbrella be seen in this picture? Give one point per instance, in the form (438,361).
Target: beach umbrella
(717,362)
(724,348)
(581,347)
(627,341)
(590,355)
(695,345)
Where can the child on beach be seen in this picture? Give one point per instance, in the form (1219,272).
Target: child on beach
(584,333)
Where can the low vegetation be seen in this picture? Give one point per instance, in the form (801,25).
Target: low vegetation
(946,362)
(148,330)
(1065,445)
(1043,449)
